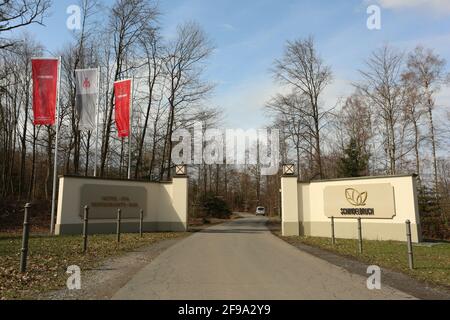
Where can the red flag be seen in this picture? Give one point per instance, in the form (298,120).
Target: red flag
(45,86)
(122,92)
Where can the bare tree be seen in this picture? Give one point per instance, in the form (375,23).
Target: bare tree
(303,69)
(414,112)
(129,21)
(291,112)
(427,69)
(28,49)
(81,54)
(184,69)
(382,86)
(152,50)
(15,14)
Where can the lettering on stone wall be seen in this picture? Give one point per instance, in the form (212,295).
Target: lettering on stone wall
(104,201)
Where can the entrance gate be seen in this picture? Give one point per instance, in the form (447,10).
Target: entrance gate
(383,203)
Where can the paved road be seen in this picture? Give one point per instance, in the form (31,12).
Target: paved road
(243,260)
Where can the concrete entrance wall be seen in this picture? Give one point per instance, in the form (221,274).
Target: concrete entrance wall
(165,205)
(303,210)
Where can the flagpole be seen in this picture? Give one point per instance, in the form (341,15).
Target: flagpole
(97,120)
(55,166)
(129,134)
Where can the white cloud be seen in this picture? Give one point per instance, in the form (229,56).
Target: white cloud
(437,6)
(228,27)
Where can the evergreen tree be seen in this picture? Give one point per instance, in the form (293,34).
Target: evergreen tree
(354,161)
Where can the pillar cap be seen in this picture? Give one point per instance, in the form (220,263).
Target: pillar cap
(289,170)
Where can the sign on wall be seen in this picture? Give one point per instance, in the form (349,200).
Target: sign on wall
(371,201)
(104,201)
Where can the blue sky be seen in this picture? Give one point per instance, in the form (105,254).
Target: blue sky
(250,34)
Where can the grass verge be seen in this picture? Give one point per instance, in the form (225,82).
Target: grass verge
(49,258)
(432,263)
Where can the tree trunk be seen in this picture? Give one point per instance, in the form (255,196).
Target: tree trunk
(417,152)
(433,146)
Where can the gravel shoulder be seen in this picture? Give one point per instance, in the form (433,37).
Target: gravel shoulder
(103,282)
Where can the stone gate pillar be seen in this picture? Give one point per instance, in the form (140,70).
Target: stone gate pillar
(289,205)
(180,198)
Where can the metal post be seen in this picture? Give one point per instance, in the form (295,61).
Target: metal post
(360,240)
(141,223)
(333,238)
(410,245)
(25,237)
(130,131)
(85,228)
(55,166)
(119,218)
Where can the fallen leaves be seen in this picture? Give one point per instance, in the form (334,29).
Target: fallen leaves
(49,258)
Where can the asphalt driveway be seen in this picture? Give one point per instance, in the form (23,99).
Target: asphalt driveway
(242,260)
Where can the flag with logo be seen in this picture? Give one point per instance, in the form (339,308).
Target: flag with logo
(45,87)
(122,92)
(87,97)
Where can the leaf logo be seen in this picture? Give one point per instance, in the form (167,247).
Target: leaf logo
(355,198)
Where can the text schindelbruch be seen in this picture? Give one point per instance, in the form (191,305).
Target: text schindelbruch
(358,212)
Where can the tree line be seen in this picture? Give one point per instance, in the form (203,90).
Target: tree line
(386,127)
(124,41)
(390,125)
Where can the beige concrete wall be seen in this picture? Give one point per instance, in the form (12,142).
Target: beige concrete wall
(167,206)
(310,219)
(290,204)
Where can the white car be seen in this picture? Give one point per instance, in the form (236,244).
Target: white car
(260,211)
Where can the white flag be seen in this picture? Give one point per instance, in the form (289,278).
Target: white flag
(87,97)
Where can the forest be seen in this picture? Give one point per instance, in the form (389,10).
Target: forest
(392,124)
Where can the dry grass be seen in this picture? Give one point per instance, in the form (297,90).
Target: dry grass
(49,258)
(432,263)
